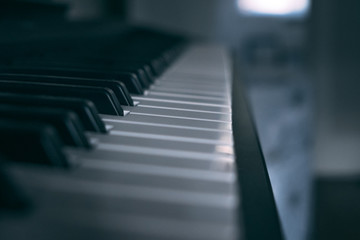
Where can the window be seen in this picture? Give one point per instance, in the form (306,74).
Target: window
(280,8)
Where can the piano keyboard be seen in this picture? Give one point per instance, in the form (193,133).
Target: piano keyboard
(158,166)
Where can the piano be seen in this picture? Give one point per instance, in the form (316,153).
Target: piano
(111,131)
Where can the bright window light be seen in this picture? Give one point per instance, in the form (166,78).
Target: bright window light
(274,7)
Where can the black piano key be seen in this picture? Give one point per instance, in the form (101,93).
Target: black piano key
(85,109)
(123,64)
(149,74)
(140,68)
(140,73)
(66,122)
(103,98)
(137,68)
(127,94)
(118,88)
(128,79)
(158,66)
(31,142)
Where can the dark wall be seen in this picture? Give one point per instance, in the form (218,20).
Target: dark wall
(347,63)
(334,45)
(69,9)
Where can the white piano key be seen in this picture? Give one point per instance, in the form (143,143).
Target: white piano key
(167,152)
(170,121)
(188,97)
(111,227)
(163,171)
(171,106)
(167,144)
(179,76)
(217,137)
(72,183)
(166,137)
(111,122)
(220,88)
(219,164)
(183,104)
(168,112)
(189,91)
(151,176)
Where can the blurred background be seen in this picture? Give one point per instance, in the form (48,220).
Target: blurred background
(300,63)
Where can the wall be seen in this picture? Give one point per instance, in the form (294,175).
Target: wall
(335,44)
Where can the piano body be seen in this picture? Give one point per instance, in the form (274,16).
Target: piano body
(111,131)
